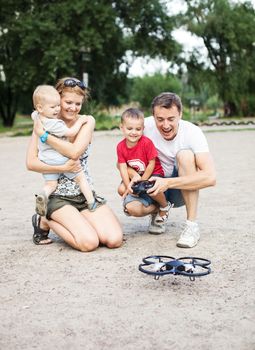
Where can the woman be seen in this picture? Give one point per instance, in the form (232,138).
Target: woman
(67,215)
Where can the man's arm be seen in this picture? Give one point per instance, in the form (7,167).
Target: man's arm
(205,176)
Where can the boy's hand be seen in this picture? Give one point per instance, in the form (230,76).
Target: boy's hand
(129,189)
(125,194)
(135,178)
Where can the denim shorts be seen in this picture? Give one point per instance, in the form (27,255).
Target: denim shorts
(172,195)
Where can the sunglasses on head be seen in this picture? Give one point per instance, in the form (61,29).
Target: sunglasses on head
(72,83)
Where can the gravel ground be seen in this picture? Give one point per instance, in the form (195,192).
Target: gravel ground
(54,297)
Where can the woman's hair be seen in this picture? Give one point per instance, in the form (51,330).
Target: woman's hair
(167,100)
(42,93)
(134,113)
(70,84)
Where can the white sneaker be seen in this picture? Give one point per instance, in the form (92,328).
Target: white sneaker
(156,228)
(189,236)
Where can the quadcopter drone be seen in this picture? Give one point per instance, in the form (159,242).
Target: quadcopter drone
(160,265)
(140,187)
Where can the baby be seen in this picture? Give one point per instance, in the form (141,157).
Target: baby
(46,100)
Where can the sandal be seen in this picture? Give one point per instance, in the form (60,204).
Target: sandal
(160,219)
(39,234)
(92,206)
(41,202)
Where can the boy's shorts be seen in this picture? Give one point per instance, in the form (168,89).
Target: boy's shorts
(79,202)
(173,196)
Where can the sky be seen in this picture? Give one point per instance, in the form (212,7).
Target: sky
(141,66)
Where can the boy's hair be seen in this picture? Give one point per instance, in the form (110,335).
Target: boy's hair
(134,113)
(167,100)
(41,93)
(62,87)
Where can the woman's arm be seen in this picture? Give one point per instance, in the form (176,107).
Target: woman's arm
(71,150)
(34,164)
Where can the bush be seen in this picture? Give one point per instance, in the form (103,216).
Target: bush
(146,88)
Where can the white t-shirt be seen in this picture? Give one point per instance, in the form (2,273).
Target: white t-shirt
(189,136)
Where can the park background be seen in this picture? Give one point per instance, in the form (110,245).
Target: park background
(55,297)
(202,50)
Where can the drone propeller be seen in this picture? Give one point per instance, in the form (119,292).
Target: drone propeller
(160,265)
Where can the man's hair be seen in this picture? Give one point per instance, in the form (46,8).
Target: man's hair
(42,92)
(167,100)
(134,113)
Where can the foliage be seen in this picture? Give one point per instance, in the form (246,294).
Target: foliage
(146,88)
(228,32)
(43,40)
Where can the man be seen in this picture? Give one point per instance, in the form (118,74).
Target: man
(188,167)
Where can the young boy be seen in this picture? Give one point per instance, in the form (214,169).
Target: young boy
(138,152)
(46,100)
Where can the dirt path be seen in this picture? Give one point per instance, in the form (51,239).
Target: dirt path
(57,298)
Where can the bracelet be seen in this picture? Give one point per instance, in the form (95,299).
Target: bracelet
(44,137)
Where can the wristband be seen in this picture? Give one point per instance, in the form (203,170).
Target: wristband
(44,137)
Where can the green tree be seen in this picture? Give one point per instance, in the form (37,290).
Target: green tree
(228,32)
(43,40)
(146,88)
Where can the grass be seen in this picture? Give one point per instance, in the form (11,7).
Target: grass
(23,124)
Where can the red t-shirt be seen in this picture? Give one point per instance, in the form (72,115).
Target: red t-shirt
(138,157)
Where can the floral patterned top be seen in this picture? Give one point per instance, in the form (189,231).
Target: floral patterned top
(67,187)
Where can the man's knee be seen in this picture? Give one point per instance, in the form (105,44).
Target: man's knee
(185,155)
(186,162)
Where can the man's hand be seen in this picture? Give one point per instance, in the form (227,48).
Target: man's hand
(161,185)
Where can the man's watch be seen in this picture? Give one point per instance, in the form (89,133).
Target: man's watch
(44,137)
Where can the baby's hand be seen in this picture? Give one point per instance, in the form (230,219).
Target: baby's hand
(38,127)
(83,119)
(34,115)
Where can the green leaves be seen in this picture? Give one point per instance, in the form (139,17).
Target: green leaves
(43,40)
(228,32)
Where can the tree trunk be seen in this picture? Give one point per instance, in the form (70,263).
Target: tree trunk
(230,109)
(8,107)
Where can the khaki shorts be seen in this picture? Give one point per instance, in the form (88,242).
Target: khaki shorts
(79,202)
